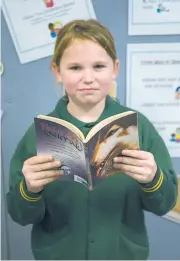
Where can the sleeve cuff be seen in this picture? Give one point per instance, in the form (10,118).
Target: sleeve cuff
(29,196)
(155,184)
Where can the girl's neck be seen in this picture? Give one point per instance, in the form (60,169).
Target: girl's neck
(86,113)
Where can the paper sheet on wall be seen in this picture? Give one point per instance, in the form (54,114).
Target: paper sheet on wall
(153,88)
(154,17)
(35,24)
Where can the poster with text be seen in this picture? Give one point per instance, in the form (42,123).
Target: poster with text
(154,17)
(153,88)
(35,24)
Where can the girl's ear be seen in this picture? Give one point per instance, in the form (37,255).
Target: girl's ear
(113,89)
(116,69)
(56,71)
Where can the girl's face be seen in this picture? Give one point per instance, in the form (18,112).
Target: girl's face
(86,71)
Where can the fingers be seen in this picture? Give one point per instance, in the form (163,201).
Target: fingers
(38,160)
(129,161)
(36,181)
(43,166)
(139,178)
(129,168)
(35,176)
(41,183)
(47,174)
(139,165)
(39,171)
(144,155)
(40,163)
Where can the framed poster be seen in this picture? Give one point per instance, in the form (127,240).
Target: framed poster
(147,17)
(153,88)
(34,25)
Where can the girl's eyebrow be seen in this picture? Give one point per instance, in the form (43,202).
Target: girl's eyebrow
(73,63)
(100,61)
(78,63)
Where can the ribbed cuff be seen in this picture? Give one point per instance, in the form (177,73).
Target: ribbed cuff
(155,184)
(29,196)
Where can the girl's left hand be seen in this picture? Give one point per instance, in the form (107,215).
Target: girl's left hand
(140,165)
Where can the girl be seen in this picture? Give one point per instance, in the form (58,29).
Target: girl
(69,221)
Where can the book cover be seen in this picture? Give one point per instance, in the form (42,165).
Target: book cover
(108,143)
(65,146)
(89,159)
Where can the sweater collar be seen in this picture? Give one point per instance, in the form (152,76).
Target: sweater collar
(112,107)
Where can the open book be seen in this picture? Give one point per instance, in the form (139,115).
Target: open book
(87,159)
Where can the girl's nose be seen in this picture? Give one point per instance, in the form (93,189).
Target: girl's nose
(88,77)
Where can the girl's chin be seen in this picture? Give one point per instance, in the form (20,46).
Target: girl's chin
(91,96)
(90,99)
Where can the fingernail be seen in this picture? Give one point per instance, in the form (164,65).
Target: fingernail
(57,163)
(115,159)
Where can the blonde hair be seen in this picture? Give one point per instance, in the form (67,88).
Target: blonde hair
(83,30)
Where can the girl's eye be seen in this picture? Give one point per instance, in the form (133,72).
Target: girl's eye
(75,68)
(99,66)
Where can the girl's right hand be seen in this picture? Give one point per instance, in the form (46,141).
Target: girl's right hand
(38,171)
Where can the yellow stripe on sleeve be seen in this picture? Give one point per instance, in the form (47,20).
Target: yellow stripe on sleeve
(23,194)
(157,186)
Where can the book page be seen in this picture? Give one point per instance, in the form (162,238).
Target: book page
(58,141)
(109,142)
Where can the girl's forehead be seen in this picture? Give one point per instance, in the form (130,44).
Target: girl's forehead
(83,43)
(82,48)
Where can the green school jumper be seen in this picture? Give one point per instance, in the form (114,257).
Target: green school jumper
(72,223)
